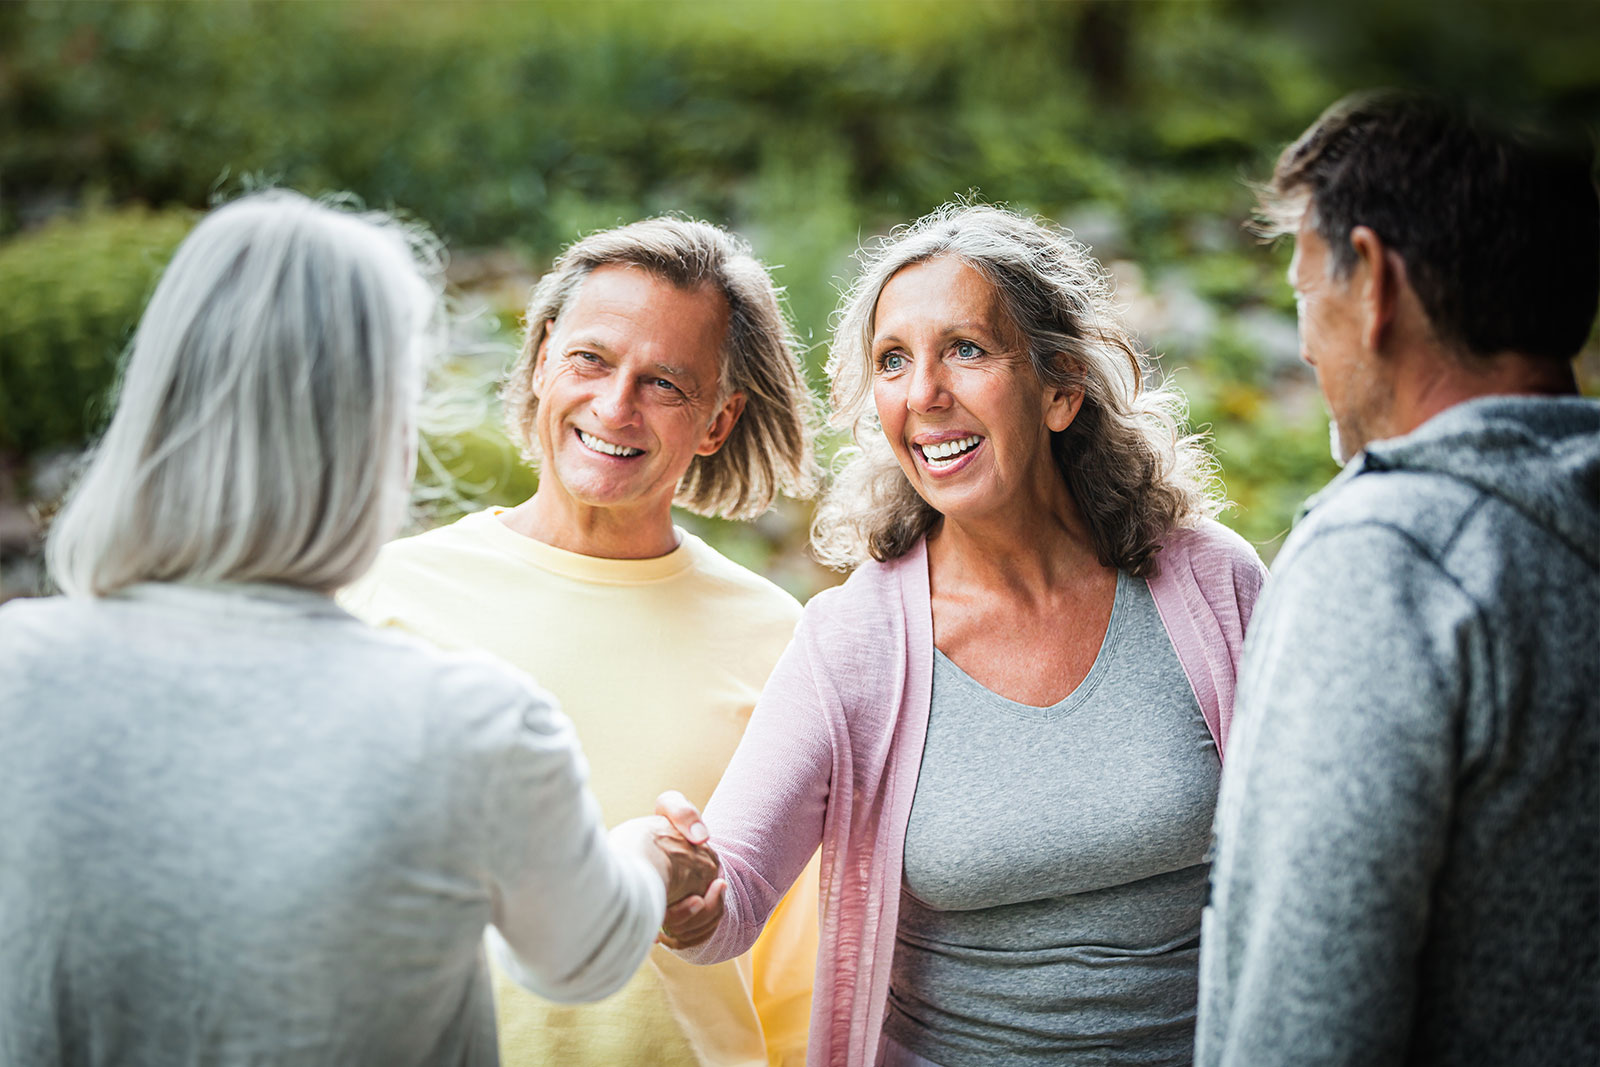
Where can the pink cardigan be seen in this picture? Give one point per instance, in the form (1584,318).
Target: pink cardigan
(832,752)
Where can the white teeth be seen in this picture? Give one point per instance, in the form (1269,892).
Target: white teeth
(607,447)
(950,449)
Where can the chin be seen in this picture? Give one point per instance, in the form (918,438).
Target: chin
(1345,444)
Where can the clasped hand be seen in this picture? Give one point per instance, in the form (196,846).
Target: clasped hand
(674,840)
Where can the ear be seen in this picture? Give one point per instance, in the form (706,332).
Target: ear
(540,364)
(1381,279)
(1061,405)
(721,425)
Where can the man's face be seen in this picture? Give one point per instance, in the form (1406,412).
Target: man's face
(627,380)
(1331,342)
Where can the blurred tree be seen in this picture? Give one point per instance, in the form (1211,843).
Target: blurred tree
(808,126)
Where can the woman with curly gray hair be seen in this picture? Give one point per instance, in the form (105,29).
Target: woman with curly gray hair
(1005,730)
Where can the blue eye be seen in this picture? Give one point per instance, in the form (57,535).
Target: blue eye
(890,362)
(665,384)
(968,350)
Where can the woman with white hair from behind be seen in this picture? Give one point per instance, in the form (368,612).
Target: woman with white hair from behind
(239,825)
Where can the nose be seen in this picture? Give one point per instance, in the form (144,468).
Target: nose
(926,392)
(1307,356)
(614,402)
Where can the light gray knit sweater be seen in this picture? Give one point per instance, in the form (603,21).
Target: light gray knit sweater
(238,826)
(1408,836)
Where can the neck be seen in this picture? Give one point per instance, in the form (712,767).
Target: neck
(558,520)
(1442,380)
(1022,549)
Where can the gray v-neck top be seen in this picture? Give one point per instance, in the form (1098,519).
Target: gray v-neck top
(1054,864)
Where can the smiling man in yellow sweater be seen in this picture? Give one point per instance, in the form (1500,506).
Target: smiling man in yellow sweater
(658,369)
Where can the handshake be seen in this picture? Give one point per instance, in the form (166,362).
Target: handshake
(674,842)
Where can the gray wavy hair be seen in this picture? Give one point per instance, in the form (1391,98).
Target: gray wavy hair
(771,448)
(265,426)
(1131,469)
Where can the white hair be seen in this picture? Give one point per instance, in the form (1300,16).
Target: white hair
(265,428)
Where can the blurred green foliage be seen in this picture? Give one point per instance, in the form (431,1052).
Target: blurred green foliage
(70,293)
(809,127)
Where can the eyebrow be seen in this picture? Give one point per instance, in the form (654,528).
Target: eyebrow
(587,344)
(969,327)
(594,344)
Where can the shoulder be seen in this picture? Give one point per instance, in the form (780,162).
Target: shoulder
(31,614)
(419,566)
(1357,584)
(872,590)
(735,580)
(1421,507)
(1215,558)
(411,663)
(470,695)
(869,610)
(57,635)
(1374,536)
(419,550)
(1210,542)
(35,628)
(1351,550)
(491,742)
(732,594)
(855,644)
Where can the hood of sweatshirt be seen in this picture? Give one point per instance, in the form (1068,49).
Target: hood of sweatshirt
(1541,455)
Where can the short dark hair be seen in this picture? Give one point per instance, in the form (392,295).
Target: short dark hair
(1499,228)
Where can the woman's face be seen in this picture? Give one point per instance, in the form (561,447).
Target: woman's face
(966,415)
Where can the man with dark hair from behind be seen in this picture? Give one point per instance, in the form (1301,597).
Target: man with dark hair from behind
(1407,861)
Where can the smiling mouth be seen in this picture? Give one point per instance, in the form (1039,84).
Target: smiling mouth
(606,448)
(948,453)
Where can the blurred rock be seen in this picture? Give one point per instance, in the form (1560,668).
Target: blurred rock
(21,576)
(1100,227)
(54,473)
(1169,316)
(1273,334)
(1212,233)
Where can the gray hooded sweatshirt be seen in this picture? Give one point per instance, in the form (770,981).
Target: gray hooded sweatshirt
(1407,863)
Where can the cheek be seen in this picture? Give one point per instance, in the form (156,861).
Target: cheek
(1312,330)
(890,407)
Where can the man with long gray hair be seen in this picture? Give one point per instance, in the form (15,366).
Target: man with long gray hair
(658,369)
(1408,837)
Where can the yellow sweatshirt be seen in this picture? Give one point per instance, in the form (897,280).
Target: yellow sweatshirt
(658,663)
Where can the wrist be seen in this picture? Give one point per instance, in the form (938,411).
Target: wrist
(637,837)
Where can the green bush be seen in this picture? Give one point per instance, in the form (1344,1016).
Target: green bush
(70,294)
(469,469)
